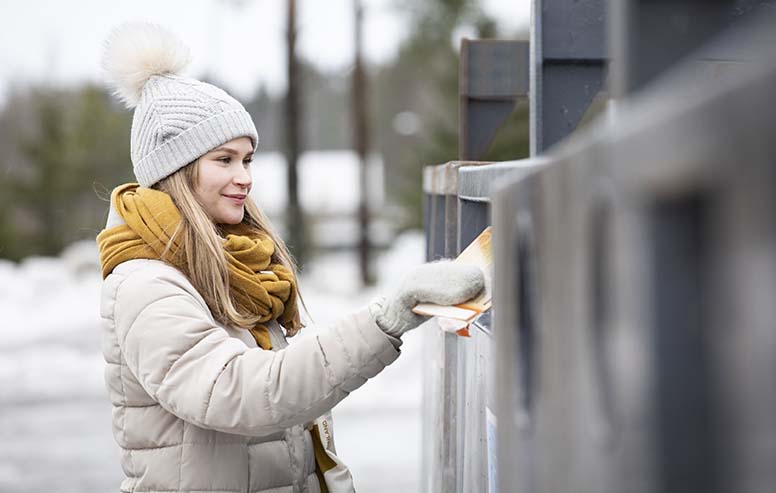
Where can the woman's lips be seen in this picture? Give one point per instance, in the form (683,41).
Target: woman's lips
(237,198)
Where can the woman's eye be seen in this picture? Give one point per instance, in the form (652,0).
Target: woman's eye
(247,162)
(225,159)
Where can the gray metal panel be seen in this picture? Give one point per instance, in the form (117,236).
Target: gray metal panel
(567,91)
(476,184)
(434,210)
(562,427)
(573,29)
(494,69)
(567,68)
(684,405)
(440,184)
(480,120)
(514,200)
(476,355)
(649,37)
(473,218)
(441,420)
(493,74)
(434,206)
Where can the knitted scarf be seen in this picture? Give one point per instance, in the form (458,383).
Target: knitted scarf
(256,284)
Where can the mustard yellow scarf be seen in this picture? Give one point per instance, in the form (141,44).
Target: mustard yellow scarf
(265,288)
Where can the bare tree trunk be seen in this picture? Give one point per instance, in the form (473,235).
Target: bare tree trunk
(294,218)
(361,145)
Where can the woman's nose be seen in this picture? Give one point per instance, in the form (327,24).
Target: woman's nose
(243,177)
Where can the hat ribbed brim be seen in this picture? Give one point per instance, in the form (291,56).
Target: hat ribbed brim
(186,147)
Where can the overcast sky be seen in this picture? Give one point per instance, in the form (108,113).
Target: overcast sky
(239,42)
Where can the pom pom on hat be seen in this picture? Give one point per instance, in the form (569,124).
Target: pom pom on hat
(134,52)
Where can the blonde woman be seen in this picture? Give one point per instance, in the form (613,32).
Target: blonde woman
(200,294)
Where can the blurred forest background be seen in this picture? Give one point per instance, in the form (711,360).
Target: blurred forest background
(63,149)
(65,144)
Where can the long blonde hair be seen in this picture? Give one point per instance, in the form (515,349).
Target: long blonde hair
(204,259)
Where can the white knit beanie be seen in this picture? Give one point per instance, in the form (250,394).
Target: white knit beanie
(177,119)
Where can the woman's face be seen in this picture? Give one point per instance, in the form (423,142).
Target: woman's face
(224,180)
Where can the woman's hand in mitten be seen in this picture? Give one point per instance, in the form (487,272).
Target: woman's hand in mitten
(443,282)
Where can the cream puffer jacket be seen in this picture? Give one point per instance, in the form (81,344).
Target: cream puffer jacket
(197,407)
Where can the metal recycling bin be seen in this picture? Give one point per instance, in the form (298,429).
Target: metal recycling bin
(696,182)
(457,379)
(634,321)
(441,471)
(475,375)
(552,380)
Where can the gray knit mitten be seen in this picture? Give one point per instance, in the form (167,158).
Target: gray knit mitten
(443,282)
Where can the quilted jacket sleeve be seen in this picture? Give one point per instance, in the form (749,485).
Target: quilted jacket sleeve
(195,370)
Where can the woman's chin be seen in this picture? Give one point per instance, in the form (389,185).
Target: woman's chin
(230,218)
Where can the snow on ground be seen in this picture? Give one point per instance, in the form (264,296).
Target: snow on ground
(54,412)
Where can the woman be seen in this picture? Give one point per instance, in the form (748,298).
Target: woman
(200,294)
